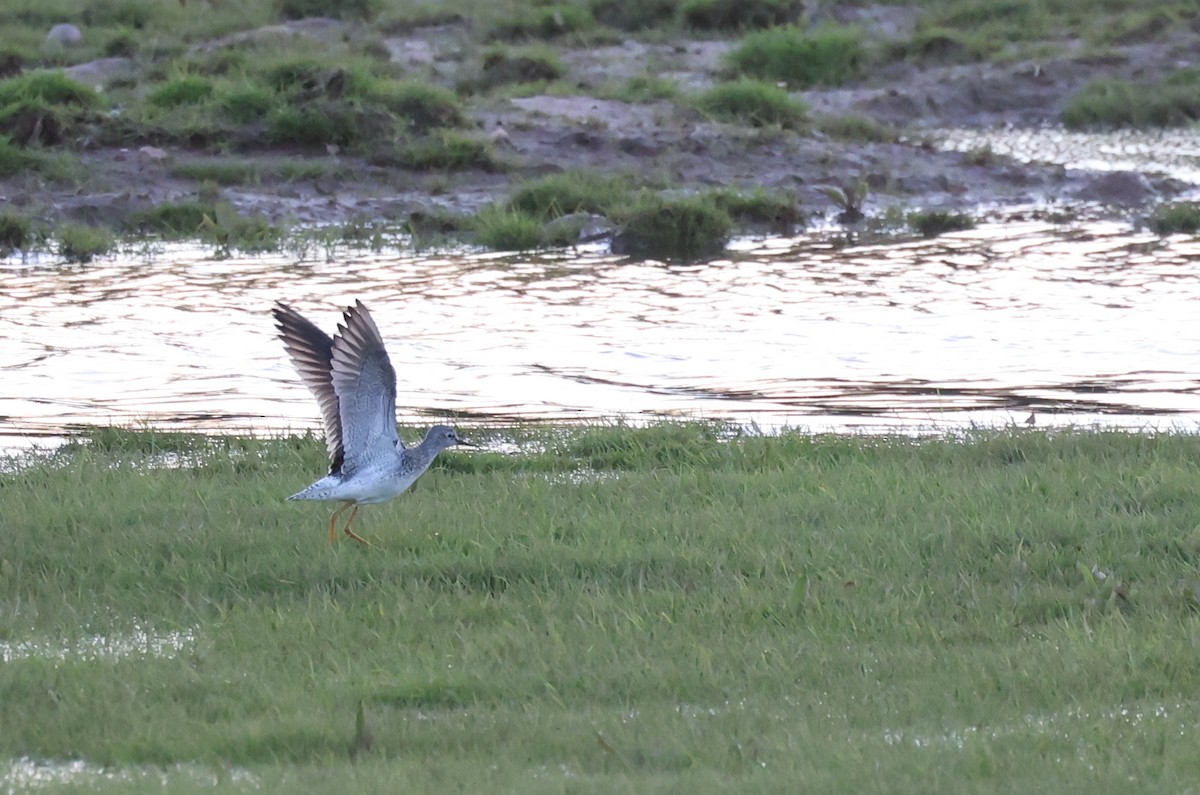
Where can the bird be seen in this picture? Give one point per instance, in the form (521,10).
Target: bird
(355,386)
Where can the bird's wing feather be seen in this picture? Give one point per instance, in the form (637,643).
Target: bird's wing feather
(365,383)
(311,351)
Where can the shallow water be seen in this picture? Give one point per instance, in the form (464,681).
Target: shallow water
(1088,323)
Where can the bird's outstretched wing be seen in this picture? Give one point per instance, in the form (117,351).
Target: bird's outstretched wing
(311,351)
(364,383)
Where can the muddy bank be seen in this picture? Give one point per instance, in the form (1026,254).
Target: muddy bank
(541,134)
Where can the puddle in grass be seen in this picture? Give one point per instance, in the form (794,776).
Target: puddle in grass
(139,643)
(26,774)
(1023,321)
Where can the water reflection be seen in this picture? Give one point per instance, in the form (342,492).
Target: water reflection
(1092,322)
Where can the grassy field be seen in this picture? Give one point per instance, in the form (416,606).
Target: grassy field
(652,610)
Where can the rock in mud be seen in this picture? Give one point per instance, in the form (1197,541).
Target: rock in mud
(64,34)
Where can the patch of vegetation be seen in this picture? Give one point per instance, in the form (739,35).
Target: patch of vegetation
(449,151)
(936,45)
(1145,26)
(642,15)
(421,106)
(721,581)
(122,45)
(13,159)
(508,66)
(315,105)
(231,232)
(318,123)
(570,192)
(135,14)
(931,223)
(827,56)
(185,90)
(731,15)
(752,102)
(849,200)
(1118,103)
(541,22)
(15,233)
(43,107)
(981,156)
(855,128)
(334,9)
(507,229)
(1174,218)
(685,229)
(776,211)
(219,172)
(247,104)
(644,88)
(172,219)
(83,242)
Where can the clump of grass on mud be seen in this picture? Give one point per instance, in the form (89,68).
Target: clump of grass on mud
(507,229)
(1118,103)
(931,223)
(684,229)
(623,15)
(852,127)
(15,233)
(733,15)
(828,56)
(540,22)
(1172,218)
(681,603)
(642,88)
(43,107)
(777,212)
(14,159)
(752,102)
(571,192)
(449,151)
(504,66)
(83,242)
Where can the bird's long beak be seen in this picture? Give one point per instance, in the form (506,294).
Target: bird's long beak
(465,442)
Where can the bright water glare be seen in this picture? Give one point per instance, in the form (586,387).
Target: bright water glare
(1085,323)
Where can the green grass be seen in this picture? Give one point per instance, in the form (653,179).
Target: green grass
(853,127)
(185,90)
(617,610)
(1172,218)
(752,102)
(449,151)
(734,15)
(680,229)
(571,192)
(1113,102)
(801,58)
(83,242)
(931,223)
(541,22)
(504,66)
(779,212)
(641,16)
(507,229)
(14,159)
(15,232)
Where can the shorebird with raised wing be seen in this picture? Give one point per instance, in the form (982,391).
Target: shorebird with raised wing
(355,385)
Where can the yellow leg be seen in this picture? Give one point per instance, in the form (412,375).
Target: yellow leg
(333,520)
(350,532)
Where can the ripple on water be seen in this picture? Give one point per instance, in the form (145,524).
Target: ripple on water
(1086,323)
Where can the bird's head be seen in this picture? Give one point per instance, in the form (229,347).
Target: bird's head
(443,436)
